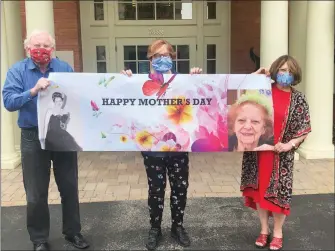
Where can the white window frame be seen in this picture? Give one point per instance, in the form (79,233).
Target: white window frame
(218,11)
(155,22)
(219,53)
(100,42)
(99,22)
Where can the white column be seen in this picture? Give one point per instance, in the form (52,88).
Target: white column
(9,157)
(297,34)
(40,15)
(274,31)
(319,77)
(15,50)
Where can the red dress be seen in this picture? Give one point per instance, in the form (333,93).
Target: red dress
(281,101)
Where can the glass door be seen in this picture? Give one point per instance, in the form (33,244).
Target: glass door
(132,54)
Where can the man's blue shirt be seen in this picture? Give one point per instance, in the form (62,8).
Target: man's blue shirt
(21,77)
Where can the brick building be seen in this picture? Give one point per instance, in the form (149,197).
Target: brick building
(218,36)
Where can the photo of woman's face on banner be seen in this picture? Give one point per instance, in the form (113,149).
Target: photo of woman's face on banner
(250,119)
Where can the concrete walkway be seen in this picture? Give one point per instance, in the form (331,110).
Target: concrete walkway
(121,176)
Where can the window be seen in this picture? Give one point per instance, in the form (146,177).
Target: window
(211,58)
(101,59)
(154,10)
(99,14)
(135,58)
(211,10)
(182,62)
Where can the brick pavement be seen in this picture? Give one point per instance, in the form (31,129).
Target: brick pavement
(121,176)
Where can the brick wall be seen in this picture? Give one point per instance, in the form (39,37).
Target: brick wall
(67,29)
(245,33)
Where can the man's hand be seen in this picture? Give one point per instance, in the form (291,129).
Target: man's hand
(264,147)
(41,84)
(280,147)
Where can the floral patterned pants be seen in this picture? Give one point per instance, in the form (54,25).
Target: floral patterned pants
(177,169)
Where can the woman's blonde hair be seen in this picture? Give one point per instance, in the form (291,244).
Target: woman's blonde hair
(155,45)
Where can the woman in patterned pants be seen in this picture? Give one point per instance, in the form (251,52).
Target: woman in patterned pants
(159,164)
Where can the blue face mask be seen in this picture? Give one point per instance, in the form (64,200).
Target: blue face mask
(284,79)
(162,64)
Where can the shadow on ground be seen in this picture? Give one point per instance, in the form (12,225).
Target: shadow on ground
(213,224)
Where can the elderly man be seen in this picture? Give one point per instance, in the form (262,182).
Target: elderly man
(23,82)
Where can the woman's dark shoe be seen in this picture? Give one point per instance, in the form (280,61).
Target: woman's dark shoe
(180,235)
(262,241)
(155,235)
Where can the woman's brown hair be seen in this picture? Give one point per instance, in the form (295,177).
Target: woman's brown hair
(292,65)
(155,45)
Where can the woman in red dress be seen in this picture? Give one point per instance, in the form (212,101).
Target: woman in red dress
(267,175)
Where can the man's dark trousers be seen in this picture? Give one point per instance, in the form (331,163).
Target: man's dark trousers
(36,165)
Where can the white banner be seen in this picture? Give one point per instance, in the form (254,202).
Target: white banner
(191,113)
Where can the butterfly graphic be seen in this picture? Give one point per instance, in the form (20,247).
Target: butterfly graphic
(105,82)
(156,85)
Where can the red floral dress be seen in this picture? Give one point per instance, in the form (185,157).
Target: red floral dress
(281,102)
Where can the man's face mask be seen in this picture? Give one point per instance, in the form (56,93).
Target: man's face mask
(40,55)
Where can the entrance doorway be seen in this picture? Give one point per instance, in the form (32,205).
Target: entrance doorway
(132,54)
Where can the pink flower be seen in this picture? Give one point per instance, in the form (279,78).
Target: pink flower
(208,141)
(94,106)
(209,144)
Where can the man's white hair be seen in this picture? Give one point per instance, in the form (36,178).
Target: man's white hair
(36,32)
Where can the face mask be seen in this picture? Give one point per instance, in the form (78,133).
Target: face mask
(284,79)
(40,55)
(162,64)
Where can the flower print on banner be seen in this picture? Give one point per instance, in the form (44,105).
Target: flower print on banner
(180,113)
(144,139)
(124,138)
(154,138)
(213,137)
(103,135)
(105,82)
(206,142)
(166,146)
(95,108)
(205,124)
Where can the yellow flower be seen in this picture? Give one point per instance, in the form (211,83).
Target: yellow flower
(124,139)
(167,148)
(181,113)
(144,138)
